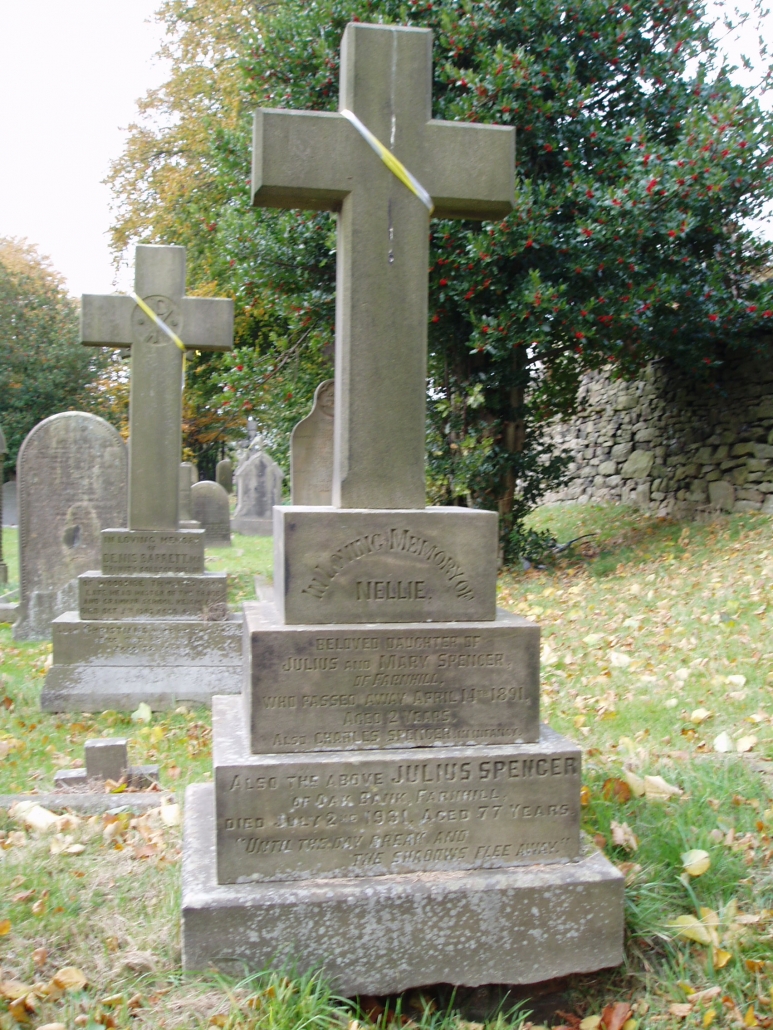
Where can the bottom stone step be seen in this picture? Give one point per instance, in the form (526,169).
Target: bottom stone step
(385,934)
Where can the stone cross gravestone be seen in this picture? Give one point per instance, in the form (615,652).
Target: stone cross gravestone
(258,489)
(209,503)
(72,484)
(3,451)
(151,624)
(311,451)
(386,804)
(224,474)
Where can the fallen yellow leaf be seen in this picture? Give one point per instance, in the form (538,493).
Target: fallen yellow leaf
(590,1023)
(708,1017)
(721,958)
(5,927)
(680,1008)
(657,789)
(630,1024)
(696,862)
(742,745)
(13,989)
(585,800)
(754,965)
(692,929)
(636,783)
(750,1019)
(70,978)
(700,715)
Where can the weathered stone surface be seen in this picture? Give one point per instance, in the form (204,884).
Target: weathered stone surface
(106,758)
(312,688)
(384,934)
(311,451)
(185,513)
(131,551)
(155,408)
(722,495)
(224,474)
(72,481)
(103,665)
(350,566)
(320,161)
(637,465)
(258,489)
(299,816)
(209,503)
(145,596)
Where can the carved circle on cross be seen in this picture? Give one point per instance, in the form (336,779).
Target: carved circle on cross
(145,330)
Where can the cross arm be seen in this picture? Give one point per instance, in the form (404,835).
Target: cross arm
(472,173)
(301,159)
(106,320)
(208,323)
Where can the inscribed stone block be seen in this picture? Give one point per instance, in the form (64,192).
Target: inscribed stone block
(209,503)
(320,814)
(384,934)
(72,484)
(101,665)
(258,489)
(311,451)
(162,596)
(312,688)
(360,565)
(131,551)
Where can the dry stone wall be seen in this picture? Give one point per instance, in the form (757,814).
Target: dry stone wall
(669,446)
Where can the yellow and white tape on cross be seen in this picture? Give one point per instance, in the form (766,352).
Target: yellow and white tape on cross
(159,322)
(396,167)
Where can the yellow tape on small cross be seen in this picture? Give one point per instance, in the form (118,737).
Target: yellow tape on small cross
(159,322)
(396,167)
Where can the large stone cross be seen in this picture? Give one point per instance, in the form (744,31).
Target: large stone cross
(155,405)
(320,161)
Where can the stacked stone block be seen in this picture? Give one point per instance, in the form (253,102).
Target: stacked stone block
(669,446)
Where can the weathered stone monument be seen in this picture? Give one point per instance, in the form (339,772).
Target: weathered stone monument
(311,451)
(3,452)
(209,503)
(72,484)
(385,802)
(258,489)
(151,625)
(224,474)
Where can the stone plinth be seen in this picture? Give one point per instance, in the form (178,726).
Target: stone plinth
(114,664)
(350,687)
(359,565)
(148,596)
(320,814)
(383,934)
(152,551)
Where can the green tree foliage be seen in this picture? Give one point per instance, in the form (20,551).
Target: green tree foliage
(43,370)
(639,162)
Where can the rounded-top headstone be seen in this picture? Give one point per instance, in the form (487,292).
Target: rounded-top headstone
(224,475)
(258,489)
(72,480)
(209,503)
(311,451)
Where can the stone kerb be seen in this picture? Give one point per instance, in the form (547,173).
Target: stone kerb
(671,447)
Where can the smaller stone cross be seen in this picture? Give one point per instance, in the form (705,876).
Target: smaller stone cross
(155,407)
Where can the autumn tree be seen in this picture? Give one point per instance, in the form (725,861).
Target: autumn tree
(640,162)
(43,370)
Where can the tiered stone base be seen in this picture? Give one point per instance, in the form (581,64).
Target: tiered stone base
(381,934)
(115,664)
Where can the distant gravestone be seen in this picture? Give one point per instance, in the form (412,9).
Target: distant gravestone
(185,512)
(258,489)
(209,504)
(224,475)
(311,451)
(72,478)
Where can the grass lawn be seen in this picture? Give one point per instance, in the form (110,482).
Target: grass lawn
(656,651)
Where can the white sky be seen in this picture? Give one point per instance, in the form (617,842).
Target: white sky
(70,74)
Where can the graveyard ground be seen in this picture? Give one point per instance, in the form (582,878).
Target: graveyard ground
(657,657)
